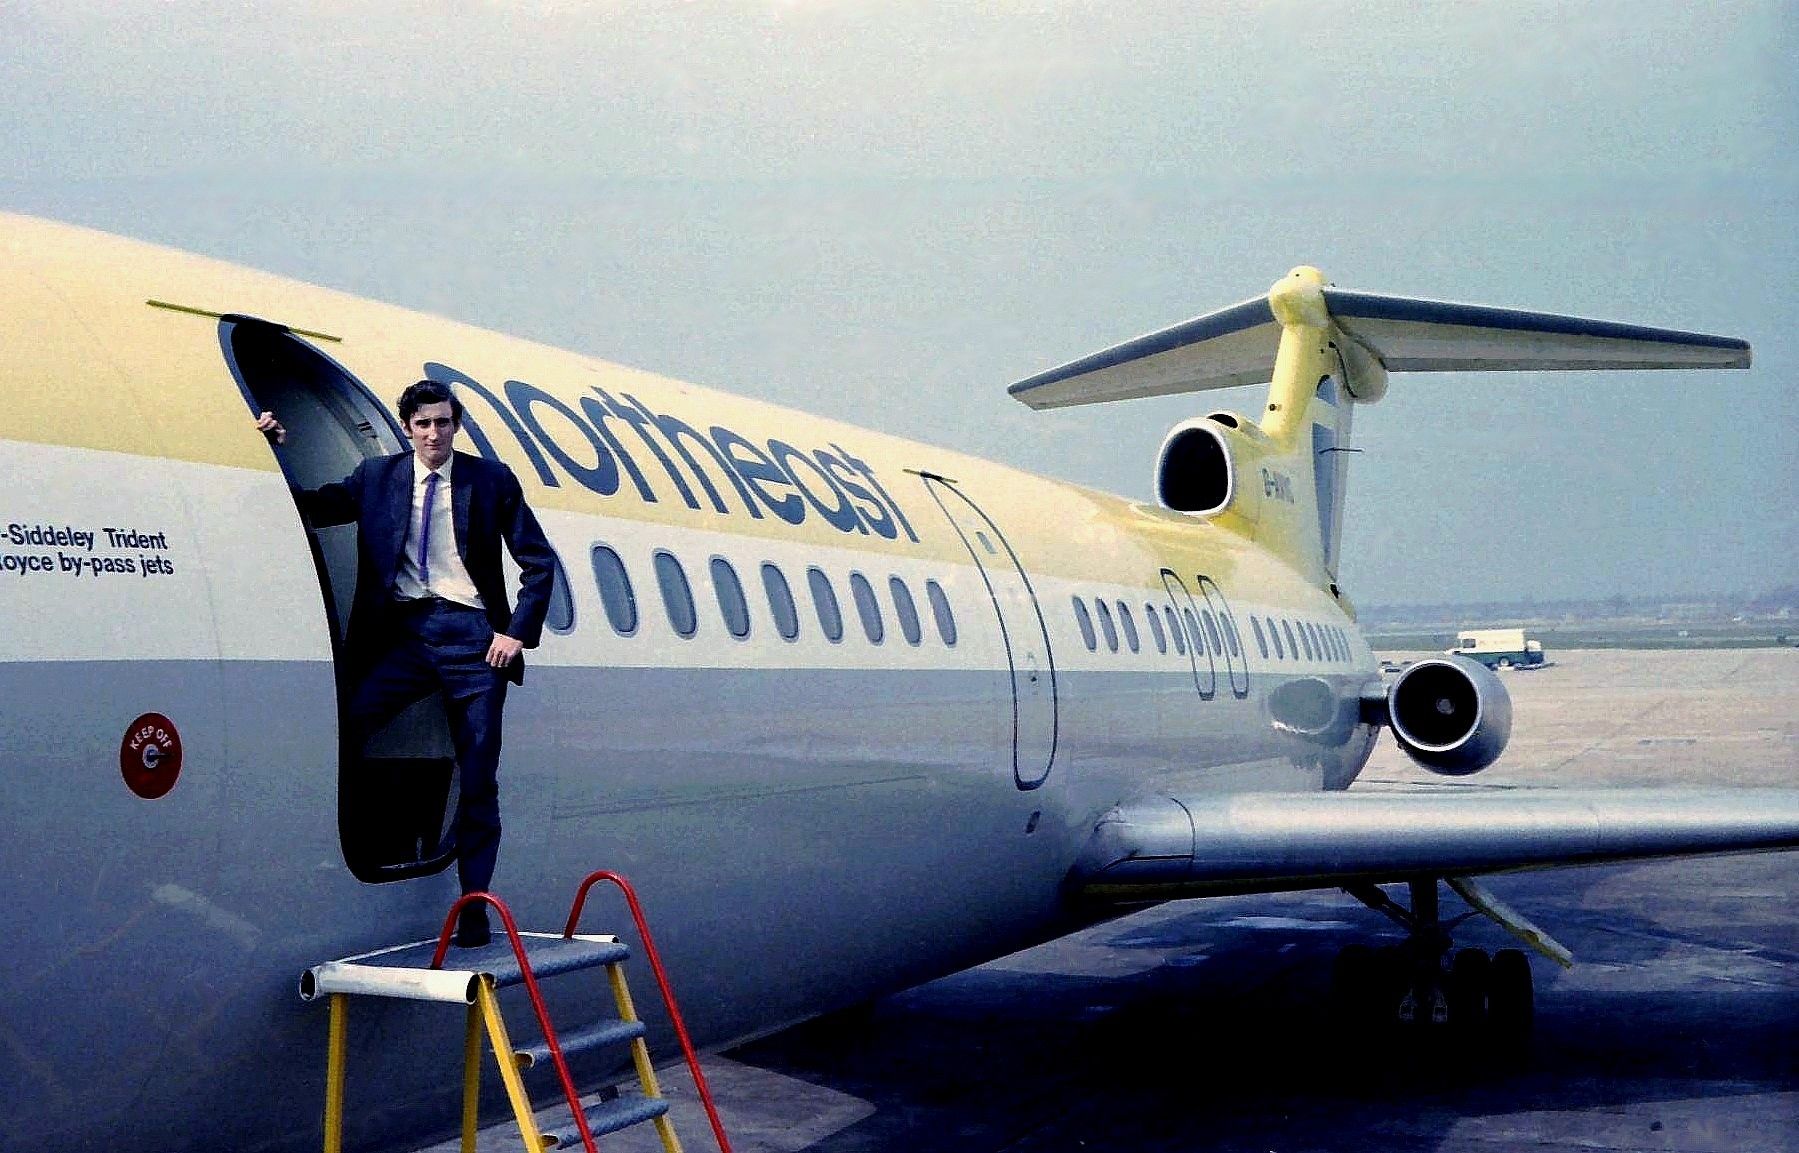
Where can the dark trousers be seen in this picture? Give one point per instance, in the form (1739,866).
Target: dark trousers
(431,646)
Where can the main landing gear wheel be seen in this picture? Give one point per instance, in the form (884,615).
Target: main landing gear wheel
(1468,991)
(1483,1004)
(1511,1003)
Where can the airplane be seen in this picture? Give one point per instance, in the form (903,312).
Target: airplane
(852,711)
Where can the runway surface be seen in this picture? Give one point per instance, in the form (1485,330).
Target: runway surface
(1206,1025)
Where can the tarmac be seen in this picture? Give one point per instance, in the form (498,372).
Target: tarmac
(1206,1025)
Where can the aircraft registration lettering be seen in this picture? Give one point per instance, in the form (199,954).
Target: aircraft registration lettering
(598,447)
(1277,485)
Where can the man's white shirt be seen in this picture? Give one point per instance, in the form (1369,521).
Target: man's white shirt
(449,576)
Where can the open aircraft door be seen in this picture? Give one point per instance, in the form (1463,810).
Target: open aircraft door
(391,806)
(1031,663)
(1205,673)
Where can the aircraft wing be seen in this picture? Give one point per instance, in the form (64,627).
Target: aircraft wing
(1163,847)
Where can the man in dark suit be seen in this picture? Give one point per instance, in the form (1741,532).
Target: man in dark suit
(431,612)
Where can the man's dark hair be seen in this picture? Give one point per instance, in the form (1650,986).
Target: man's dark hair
(426,392)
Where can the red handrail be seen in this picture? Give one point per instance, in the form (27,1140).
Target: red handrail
(668,994)
(537,1005)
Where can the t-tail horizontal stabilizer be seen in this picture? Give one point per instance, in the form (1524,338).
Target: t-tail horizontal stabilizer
(1323,351)
(1237,346)
(1163,847)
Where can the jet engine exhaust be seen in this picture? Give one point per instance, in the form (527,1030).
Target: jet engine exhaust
(1450,714)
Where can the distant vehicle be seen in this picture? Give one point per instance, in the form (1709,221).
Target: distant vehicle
(1499,648)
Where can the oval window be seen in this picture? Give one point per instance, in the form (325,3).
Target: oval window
(1154,620)
(780,601)
(560,618)
(867,608)
(906,609)
(1106,627)
(731,604)
(946,621)
(677,595)
(1085,620)
(1128,624)
(824,600)
(616,596)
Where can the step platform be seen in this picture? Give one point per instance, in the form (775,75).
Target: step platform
(405,971)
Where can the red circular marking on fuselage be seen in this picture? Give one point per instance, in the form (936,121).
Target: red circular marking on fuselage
(150,756)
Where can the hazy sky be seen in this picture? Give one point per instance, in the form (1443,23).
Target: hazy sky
(887,212)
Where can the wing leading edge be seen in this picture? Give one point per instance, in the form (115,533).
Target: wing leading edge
(1162,847)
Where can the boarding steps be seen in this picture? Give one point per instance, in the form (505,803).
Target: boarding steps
(430,971)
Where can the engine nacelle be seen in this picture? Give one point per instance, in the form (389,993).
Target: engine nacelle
(1198,465)
(1450,714)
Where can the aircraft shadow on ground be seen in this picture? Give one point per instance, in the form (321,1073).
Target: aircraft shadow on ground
(1235,1044)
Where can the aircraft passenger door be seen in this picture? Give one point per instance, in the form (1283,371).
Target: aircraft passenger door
(393,799)
(1032,665)
(1236,657)
(1205,674)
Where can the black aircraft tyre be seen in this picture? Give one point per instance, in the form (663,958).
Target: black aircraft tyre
(1510,1002)
(1469,979)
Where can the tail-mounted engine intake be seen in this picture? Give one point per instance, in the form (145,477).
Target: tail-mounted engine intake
(1450,714)
(1201,459)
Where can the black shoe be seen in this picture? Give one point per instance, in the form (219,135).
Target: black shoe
(471,930)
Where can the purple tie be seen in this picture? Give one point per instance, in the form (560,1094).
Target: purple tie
(425,532)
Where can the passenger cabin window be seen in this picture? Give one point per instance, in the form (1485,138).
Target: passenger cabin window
(1230,634)
(1195,636)
(1106,628)
(1305,639)
(867,608)
(906,610)
(946,620)
(677,595)
(1128,624)
(1174,631)
(1292,642)
(1261,641)
(824,600)
(1085,620)
(1274,634)
(731,603)
(1154,620)
(780,601)
(560,618)
(1211,630)
(615,590)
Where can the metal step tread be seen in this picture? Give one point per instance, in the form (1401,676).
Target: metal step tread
(405,970)
(621,1112)
(581,1040)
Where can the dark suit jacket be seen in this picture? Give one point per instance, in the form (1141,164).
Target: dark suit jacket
(488,508)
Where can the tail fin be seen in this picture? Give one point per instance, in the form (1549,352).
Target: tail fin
(1323,350)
